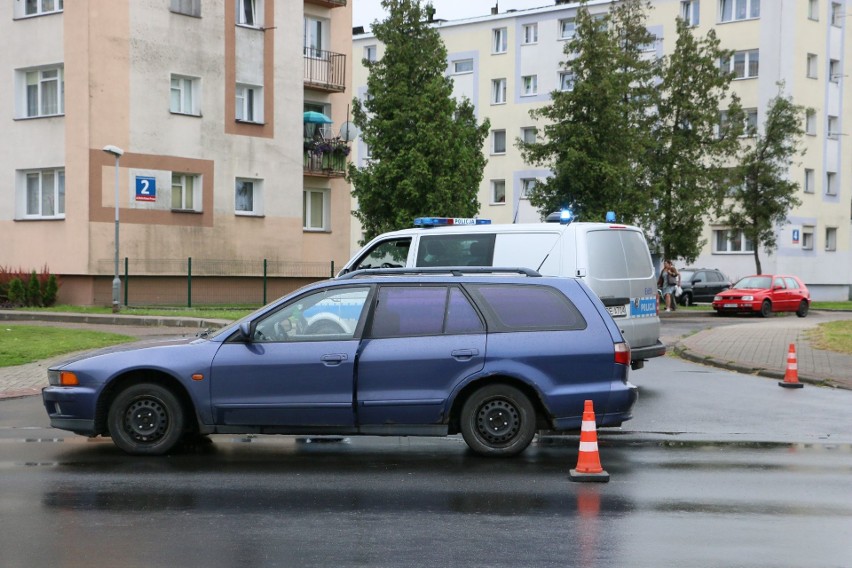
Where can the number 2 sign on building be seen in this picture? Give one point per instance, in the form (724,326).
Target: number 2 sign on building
(146,188)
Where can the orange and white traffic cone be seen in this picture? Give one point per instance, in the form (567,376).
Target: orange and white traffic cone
(588,461)
(791,375)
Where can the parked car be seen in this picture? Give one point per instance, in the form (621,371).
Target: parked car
(477,351)
(701,285)
(764,294)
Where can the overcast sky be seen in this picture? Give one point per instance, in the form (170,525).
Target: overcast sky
(365,11)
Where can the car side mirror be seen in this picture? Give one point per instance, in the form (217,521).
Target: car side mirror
(245,331)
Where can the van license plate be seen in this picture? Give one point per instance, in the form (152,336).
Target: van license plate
(617,311)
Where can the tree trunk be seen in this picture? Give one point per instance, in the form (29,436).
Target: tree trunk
(757,259)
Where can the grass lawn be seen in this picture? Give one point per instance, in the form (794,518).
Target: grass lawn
(21,344)
(833,336)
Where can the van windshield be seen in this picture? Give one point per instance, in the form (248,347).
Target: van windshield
(618,254)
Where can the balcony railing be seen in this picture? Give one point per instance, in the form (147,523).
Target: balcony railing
(325,70)
(328,3)
(325,158)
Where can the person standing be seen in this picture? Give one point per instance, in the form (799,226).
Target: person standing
(668,282)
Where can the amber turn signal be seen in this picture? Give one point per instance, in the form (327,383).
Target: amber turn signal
(68,379)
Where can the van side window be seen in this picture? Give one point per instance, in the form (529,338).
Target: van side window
(456,250)
(392,253)
(527,307)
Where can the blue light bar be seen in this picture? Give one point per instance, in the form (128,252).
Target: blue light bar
(447,221)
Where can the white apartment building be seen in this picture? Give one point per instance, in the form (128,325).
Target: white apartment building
(508,63)
(206,100)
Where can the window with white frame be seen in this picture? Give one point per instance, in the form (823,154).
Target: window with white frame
(750,122)
(813,10)
(248,196)
(810,122)
(498,141)
(833,127)
(812,62)
(315,38)
(566,81)
(567,27)
(528,134)
(186,192)
(836,15)
(38,7)
(498,91)
(315,210)
(810,180)
(743,65)
(499,40)
(530,33)
(530,85)
(808,237)
(41,92)
(249,105)
(370,53)
(733,10)
(186,7)
(498,191)
(834,72)
(689,10)
(462,66)
(184,95)
(728,241)
(831,183)
(41,194)
(527,185)
(831,238)
(249,13)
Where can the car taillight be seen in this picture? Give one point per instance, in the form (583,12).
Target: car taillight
(622,353)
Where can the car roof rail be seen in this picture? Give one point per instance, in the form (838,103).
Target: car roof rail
(432,270)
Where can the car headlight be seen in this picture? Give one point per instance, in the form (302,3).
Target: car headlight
(717,298)
(748,298)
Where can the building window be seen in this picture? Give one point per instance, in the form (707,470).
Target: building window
(810,180)
(37,7)
(42,92)
(743,65)
(834,72)
(728,241)
(248,197)
(808,237)
(498,142)
(530,33)
(248,13)
(498,91)
(370,53)
(249,107)
(812,62)
(750,127)
(186,7)
(315,38)
(831,183)
(184,95)
(566,81)
(530,85)
(498,191)
(833,127)
(836,15)
(810,122)
(732,10)
(527,185)
(463,66)
(831,238)
(567,27)
(186,192)
(813,10)
(689,10)
(315,210)
(528,134)
(499,40)
(41,194)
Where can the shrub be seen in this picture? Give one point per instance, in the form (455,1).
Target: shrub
(33,290)
(43,292)
(17,293)
(51,288)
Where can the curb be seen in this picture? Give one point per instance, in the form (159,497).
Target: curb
(111,319)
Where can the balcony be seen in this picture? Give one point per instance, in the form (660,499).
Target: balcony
(325,158)
(325,70)
(328,3)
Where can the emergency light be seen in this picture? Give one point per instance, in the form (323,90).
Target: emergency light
(425,222)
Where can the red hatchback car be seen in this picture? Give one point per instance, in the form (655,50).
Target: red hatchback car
(764,294)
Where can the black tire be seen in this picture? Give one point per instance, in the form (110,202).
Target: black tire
(686,299)
(766,309)
(803,309)
(146,419)
(498,421)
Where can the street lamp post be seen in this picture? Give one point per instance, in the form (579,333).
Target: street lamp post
(116,283)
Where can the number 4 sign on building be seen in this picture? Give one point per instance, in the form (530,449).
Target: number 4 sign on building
(146,188)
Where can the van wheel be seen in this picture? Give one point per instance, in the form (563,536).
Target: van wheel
(803,309)
(766,309)
(498,421)
(146,419)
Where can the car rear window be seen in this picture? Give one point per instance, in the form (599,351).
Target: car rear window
(423,310)
(527,307)
(618,254)
(456,250)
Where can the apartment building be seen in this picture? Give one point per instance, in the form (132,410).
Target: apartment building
(207,101)
(508,64)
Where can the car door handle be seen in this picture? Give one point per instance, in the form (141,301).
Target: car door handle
(464,354)
(333,359)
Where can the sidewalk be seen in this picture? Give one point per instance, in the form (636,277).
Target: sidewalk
(751,345)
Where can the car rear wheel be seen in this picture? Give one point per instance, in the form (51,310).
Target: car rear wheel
(686,299)
(803,309)
(146,419)
(765,309)
(498,421)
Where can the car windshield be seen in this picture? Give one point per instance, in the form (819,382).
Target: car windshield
(753,282)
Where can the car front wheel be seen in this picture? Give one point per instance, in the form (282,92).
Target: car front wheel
(803,309)
(498,421)
(146,419)
(765,309)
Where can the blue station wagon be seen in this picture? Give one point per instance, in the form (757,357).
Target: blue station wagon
(495,355)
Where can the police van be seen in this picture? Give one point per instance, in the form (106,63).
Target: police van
(612,259)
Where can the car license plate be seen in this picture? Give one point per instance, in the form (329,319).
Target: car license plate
(617,311)
(730,306)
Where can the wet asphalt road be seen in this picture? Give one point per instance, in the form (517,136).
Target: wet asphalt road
(717,469)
